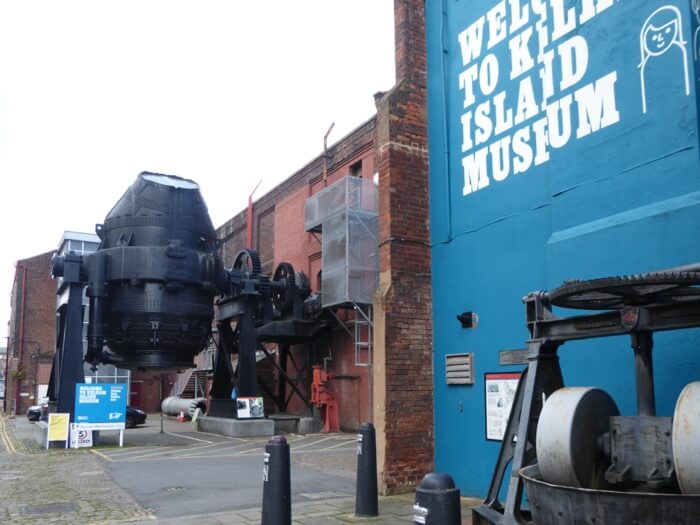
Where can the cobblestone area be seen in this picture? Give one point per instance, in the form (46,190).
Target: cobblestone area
(57,487)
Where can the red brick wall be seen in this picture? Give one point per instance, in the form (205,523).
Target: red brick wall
(233,239)
(146,389)
(290,240)
(32,330)
(265,234)
(403,310)
(43,374)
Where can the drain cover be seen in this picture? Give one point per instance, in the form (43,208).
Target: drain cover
(50,508)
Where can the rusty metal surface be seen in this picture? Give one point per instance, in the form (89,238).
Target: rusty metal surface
(554,505)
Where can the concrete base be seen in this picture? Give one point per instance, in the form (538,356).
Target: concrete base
(307,425)
(39,432)
(285,423)
(41,429)
(294,424)
(236,427)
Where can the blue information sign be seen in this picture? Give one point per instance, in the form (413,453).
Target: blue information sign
(100,406)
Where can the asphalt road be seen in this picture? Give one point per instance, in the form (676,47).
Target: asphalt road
(211,473)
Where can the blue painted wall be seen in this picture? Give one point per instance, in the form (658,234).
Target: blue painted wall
(563,144)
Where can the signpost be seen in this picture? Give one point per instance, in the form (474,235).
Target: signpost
(58,428)
(80,438)
(101,406)
(500,392)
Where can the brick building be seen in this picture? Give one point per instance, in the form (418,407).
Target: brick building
(32,332)
(396,393)
(403,374)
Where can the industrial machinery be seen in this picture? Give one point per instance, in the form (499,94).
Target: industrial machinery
(152,286)
(569,450)
(324,399)
(254,309)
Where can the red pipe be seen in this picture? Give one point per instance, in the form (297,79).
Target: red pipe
(21,332)
(325,155)
(249,225)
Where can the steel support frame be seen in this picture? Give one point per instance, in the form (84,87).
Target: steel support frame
(244,341)
(67,370)
(224,377)
(280,397)
(543,376)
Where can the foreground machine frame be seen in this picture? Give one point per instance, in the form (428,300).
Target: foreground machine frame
(639,306)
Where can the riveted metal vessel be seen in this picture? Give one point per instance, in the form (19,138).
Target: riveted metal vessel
(156,274)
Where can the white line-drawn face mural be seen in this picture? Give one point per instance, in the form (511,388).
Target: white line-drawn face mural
(658,39)
(662,31)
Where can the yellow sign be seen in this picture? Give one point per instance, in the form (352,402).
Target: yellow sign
(58,427)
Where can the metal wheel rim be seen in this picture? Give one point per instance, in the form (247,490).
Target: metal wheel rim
(686,439)
(570,423)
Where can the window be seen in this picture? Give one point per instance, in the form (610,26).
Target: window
(80,247)
(356,169)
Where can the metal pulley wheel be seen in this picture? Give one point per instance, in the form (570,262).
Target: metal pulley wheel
(283,297)
(686,439)
(571,421)
(248,262)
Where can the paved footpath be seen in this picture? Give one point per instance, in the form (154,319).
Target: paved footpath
(73,487)
(57,486)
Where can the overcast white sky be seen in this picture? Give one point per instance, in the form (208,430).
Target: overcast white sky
(223,92)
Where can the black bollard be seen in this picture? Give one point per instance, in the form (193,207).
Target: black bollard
(277,487)
(366,503)
(437,501)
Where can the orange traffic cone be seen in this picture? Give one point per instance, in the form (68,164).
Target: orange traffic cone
(181,417)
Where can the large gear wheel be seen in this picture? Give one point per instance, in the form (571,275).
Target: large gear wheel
(612,293)
(283,297)
(248,262)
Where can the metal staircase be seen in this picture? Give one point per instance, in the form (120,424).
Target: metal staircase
(191,384)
